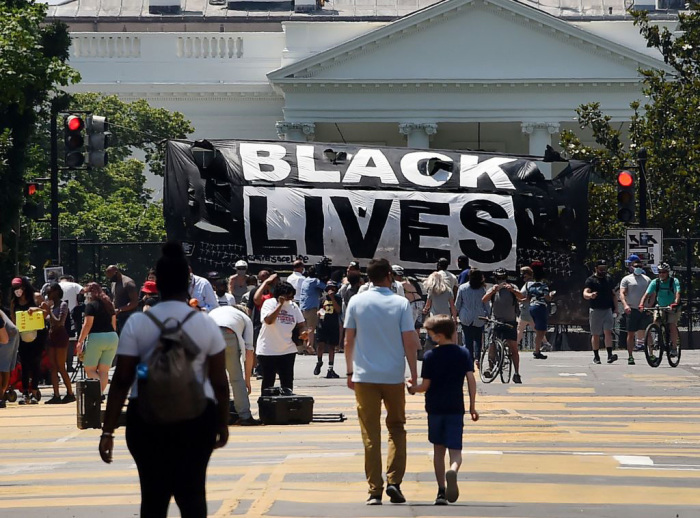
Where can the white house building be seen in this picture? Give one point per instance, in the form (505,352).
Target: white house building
(497,75)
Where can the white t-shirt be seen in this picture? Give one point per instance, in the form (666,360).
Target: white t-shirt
(227,300)
(295,279)
(449,278)
(237,321)
(276,339)
(140,335)
(70,293)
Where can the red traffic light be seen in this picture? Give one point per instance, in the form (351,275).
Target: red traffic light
(625,179)
(31,189)
(74,123)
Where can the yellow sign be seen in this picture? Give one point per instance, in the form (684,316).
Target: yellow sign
(27,322)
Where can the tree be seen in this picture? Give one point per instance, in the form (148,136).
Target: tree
(666,126)
(33,69)
(113,204)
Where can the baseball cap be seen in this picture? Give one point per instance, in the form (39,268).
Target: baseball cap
(397,269)
(331,284)
(17,281)
(354,264)
(500,272)
(149,287)
(633,258)
(241,264)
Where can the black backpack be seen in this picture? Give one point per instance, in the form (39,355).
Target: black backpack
(170,392)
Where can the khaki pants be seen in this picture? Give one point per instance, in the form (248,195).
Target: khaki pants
(369,398)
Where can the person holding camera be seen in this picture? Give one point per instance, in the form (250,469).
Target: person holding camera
(276,349)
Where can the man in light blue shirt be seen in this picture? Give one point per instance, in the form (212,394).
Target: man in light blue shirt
(311,290)
(379,334)
(202,290)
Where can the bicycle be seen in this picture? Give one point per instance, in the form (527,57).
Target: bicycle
(497,353)
(657,339)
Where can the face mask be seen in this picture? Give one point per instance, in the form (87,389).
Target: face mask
(638,271)
(19,293)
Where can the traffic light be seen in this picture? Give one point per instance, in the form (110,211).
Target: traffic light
(625,196)
(74,127)
(32,208)
(98,140)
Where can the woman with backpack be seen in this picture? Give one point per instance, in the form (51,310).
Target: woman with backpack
(537,291)
(98,337)
(173,423)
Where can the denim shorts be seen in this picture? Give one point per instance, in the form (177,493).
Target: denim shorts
(539,314)
(446,430)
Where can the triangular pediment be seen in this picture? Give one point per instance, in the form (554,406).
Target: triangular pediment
(473,40)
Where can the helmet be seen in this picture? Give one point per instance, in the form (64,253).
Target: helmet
(241,264)
(500,272)
(398,270)
(664,267)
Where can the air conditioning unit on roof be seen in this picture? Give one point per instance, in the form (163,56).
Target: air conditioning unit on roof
(164,6)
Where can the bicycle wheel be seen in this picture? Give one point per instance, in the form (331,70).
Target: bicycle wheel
(673,360)
(653,345)
(506,364)
(490,362)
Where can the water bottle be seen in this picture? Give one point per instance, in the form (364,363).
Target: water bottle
(142,371)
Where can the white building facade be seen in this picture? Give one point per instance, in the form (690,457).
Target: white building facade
(494,75)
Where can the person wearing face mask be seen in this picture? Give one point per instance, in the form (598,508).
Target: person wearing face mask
(238,282)
(599,291)
(664,291)
(632,289)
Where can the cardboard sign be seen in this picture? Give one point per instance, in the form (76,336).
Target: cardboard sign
(29,322)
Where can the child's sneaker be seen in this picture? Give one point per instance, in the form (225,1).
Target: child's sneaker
(452,490)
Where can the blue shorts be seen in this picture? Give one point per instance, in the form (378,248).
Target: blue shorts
(446,430)
(539,314)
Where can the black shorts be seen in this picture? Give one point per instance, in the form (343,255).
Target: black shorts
(637,321)
(328,333)
(506,332)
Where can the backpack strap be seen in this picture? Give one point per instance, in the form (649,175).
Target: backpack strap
(160,324)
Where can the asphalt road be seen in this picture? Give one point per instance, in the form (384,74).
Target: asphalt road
(576,439)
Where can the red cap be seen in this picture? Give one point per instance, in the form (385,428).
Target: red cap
(149,287)
(17,281)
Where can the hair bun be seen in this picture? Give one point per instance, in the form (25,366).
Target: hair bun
(173,250)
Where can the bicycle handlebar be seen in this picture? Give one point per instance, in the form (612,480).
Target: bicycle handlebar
(660,308)
(494,321)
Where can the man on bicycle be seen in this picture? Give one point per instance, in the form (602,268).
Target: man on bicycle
(666,291)
(599,291)
(632,289)
(505,298)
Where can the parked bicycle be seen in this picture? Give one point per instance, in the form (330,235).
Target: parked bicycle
(495,358)
(657,339)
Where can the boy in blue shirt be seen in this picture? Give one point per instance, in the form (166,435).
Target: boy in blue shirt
(444,370)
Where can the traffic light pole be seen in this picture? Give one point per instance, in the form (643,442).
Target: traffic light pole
(642,161)
(55,231)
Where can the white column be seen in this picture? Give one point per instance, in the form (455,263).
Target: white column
(296,131)
(540,134)
(418,134)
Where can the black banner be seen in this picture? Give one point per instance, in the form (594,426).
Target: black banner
(272,202)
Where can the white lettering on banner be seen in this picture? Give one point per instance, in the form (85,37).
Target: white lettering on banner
(409,168)
(471,169)
(408,228)
(371,163)
(251,160)
(307,168)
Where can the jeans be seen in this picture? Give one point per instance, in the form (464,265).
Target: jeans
(235,376)
(282,366)
(473,338)
(172,461)
(369,397)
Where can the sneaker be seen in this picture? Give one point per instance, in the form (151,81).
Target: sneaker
(596,361)
(26,400)
(612,359)
(630,361)
(639,346)
(440,498)
(516,378)
(395,494)
(33,400)
(652,358)
(487,373)
(672,353)
(539,356)
(249,421)
(55,400)
(317,369)
(452,490)
(68,398)
(546,346)
(374,500)
(332,374)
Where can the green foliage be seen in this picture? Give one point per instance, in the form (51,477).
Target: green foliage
(667,126)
